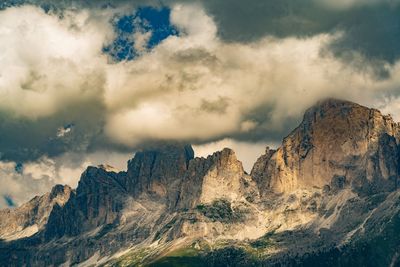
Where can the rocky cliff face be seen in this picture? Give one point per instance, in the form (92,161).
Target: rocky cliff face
(334,176)
(219,176)
(97,201)
(159,172)
(102,196)
(31,217)
(338,144)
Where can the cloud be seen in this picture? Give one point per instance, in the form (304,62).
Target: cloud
(206,90)
(39,176)
(51,74)
(193,87)
(19,188)
(367,23)
(369,27)
(197,86)
(348,4)
(50,63)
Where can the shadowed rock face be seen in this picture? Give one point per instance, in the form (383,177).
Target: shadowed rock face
(97,201)
(169,176)
(102,195)
(31,217)
(159,172)
(335,138)
(262,171)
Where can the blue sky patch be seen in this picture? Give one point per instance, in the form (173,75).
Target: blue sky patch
(19,168)
(9,201)
(145,19)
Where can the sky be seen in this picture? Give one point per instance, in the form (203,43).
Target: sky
(90,82)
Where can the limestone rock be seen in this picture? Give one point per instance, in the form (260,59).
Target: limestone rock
(335,138)
(159,172)
(262,171)
(219,176)
(32,216)
(97,201)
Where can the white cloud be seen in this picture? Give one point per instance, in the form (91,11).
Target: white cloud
(161,95)
(48,62)
(195,23)
(39,176)
(192,87)
(20,187)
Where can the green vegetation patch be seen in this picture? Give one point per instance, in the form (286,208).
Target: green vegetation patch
(190,257)
(187,257)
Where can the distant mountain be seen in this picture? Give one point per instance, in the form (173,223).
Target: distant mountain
(32,216)
(328,196)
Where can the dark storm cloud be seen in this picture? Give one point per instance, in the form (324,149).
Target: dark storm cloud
(247,21)
(374,33)
(372,30)
(24,139)
(369,35)
(262,116)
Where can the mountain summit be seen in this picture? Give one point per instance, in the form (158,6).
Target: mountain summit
(338,143)
(328,195)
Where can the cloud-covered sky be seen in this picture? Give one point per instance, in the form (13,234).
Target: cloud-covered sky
(85,82)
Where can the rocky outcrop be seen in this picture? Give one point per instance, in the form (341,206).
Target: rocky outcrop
(159,172)
(262,170)
(104,196)
(97,201)
(219,176)
(31,217)
(335,139)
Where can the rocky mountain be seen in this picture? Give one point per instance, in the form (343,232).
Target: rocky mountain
(338,143)
(219,176)
(328,196)
(31,217)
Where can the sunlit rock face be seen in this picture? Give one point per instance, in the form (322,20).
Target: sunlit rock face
(219,176)
(338,143)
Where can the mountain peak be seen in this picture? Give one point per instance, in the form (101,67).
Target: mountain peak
(158,172)
(32,216)
(61,193)
(219,176)
(336,137)
(107,168)
(336,107)
(226,156)
(335,102)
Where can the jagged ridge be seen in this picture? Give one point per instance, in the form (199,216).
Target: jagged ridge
(341,153)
